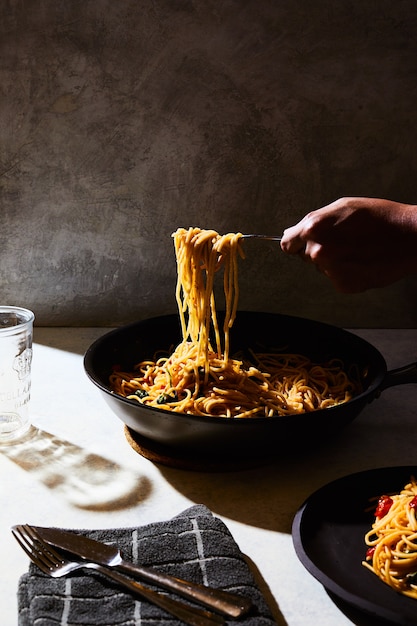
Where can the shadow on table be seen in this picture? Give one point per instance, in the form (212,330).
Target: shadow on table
(269,496)
(264,496)
(266,592)
(88,481)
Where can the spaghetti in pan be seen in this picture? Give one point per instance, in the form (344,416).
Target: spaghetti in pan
(200,376)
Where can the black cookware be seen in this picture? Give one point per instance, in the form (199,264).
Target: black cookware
(251,436)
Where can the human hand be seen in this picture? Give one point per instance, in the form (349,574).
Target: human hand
(358,243)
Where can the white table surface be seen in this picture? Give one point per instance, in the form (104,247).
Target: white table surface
(80,472)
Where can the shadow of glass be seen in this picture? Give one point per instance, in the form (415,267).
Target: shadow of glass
(88,481)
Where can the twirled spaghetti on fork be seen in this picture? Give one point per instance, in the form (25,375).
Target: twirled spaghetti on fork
(200,377)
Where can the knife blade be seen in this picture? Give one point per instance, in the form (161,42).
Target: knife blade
(87,549)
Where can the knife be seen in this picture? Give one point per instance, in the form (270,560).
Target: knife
(225,602)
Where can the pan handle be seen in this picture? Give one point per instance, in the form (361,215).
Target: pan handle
(400,376)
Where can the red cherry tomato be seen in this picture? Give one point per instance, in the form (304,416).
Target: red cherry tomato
(370,553)
(384,505)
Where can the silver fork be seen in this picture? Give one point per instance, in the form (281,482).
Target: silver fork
(54,564)
(269,237)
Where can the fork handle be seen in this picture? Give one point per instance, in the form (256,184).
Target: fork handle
(188,614)
(225,602)
(268,237)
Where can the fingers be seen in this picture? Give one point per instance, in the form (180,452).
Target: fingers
(298,238)
(291,241)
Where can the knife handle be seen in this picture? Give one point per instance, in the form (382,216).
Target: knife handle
(190,615)
(224,602)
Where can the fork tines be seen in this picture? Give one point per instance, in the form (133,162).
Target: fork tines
(41,553)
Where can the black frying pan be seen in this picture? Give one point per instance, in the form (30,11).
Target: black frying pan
(206,435)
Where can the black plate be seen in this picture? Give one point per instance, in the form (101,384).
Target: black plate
(328,534)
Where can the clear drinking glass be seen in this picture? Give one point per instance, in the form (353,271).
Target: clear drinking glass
(16,331)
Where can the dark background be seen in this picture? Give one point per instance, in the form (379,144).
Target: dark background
(122,121)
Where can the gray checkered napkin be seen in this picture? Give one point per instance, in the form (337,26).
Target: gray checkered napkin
(194,545)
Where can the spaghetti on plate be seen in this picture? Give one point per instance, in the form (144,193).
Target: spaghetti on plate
(392,540)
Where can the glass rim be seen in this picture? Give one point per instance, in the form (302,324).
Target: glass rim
(25,318)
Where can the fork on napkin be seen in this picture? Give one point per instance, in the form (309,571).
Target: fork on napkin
(193,545)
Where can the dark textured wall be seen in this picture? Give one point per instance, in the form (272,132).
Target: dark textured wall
(121,121)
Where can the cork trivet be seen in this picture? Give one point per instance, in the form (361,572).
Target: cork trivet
(164,455)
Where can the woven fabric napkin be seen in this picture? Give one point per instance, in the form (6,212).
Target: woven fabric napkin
(194,545)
